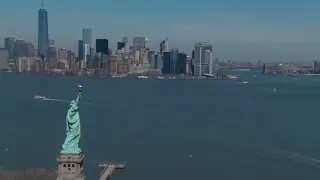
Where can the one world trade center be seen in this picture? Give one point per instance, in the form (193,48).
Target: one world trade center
(43,36)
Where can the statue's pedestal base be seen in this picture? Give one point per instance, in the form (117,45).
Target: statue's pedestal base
(70,167)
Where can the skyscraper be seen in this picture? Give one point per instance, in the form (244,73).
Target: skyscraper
(80,50)
(208,58)
(51,42)
(86,52)
(9,45)
(87,36)
(201,64)
(167,45)
(174,60)
(146,44)
(31,49)
(72,60)
(121,45)
(159,60)
(52,52)
(87,46)
(125,39)
(43,35)
(192,63)
(138,43)
(62,53)
(151,56)
(162,46)
(4,59)
(126,45)
(166,67)
(181,67)
(102,46)
(20,49)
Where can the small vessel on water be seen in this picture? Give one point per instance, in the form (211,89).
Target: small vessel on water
(209,75)
(142,77)
(232,77)
(223,78)
(118,76)
(274,89)
(39,97)
(245,82)
(160,77)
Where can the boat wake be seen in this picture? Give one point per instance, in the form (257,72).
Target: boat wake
(43,98)
(303,159)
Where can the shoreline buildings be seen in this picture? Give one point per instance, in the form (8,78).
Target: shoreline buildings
(138,59)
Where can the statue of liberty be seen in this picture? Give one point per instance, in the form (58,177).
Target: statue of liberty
(71,143)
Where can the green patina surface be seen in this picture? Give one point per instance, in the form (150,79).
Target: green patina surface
(71,143)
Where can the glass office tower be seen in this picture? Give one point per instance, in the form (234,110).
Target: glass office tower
(43,35)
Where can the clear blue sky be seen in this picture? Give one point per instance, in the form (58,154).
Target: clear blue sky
(240,30)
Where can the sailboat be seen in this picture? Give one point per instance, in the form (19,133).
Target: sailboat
(274,89)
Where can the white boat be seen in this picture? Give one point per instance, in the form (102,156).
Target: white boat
(208,75)
(142,77)
(245,82)
(274,89)
(39,97)
(232,77)
(160,77)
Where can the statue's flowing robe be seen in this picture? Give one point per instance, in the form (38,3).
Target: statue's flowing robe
(73,130)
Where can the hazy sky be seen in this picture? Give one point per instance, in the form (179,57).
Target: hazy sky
(239,29)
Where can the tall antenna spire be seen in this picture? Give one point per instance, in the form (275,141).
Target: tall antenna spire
(42,4)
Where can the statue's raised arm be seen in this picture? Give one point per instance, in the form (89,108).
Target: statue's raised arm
(73,130)
(79,93)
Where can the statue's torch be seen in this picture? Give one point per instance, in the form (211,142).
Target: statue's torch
(79,88)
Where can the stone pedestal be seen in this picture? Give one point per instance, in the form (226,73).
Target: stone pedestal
(70,167)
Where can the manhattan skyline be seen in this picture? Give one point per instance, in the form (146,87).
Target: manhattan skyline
(250,31)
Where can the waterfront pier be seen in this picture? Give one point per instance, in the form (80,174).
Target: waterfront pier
(107,169)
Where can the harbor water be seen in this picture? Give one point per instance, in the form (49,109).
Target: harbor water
(168,129)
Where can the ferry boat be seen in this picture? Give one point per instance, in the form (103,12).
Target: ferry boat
(142,77)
